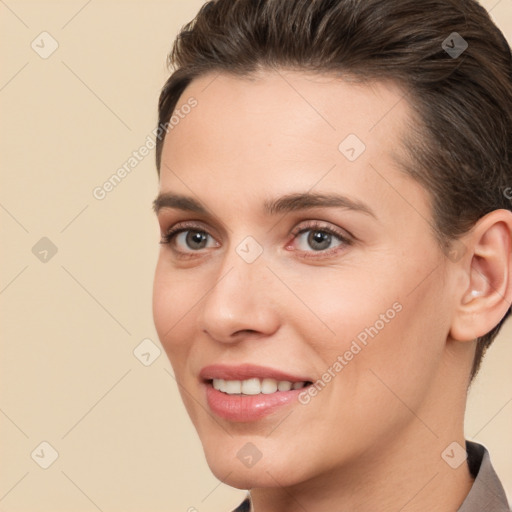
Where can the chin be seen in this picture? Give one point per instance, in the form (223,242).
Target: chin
(234,467)
(250,478)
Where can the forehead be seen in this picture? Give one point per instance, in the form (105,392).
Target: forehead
(253,114)
(288,131)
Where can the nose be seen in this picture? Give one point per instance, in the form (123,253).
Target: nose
(241,301)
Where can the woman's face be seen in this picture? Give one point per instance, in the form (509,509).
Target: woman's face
(272,278)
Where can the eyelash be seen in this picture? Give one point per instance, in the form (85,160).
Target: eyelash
(170,235)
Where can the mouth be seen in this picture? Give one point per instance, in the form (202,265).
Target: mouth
(255,386)
(249,393)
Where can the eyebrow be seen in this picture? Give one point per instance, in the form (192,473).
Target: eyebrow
(287,203)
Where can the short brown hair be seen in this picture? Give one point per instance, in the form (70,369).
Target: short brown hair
(463,147)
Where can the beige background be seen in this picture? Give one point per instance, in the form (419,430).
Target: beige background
(70,324)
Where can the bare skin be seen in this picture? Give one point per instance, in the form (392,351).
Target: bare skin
(372,439)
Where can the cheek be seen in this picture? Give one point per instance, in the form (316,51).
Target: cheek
(382,325)
(391,349)
(172,305)
(347,304)
(403,355)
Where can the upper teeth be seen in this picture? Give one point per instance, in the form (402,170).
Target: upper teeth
(255,386)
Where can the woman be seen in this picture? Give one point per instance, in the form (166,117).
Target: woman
(336,246)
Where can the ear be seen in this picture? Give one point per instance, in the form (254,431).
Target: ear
(488,263)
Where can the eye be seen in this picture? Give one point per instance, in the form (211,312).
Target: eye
(316,237)
(186,238)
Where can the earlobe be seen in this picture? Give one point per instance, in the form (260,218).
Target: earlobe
(488,294)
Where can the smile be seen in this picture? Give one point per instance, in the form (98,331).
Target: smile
(247,392)
(255,386)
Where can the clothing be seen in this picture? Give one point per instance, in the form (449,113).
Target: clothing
(486,493)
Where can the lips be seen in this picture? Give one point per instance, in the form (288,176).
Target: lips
(240,407)
(248,371)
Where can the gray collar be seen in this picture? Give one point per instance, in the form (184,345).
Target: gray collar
(487,493)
